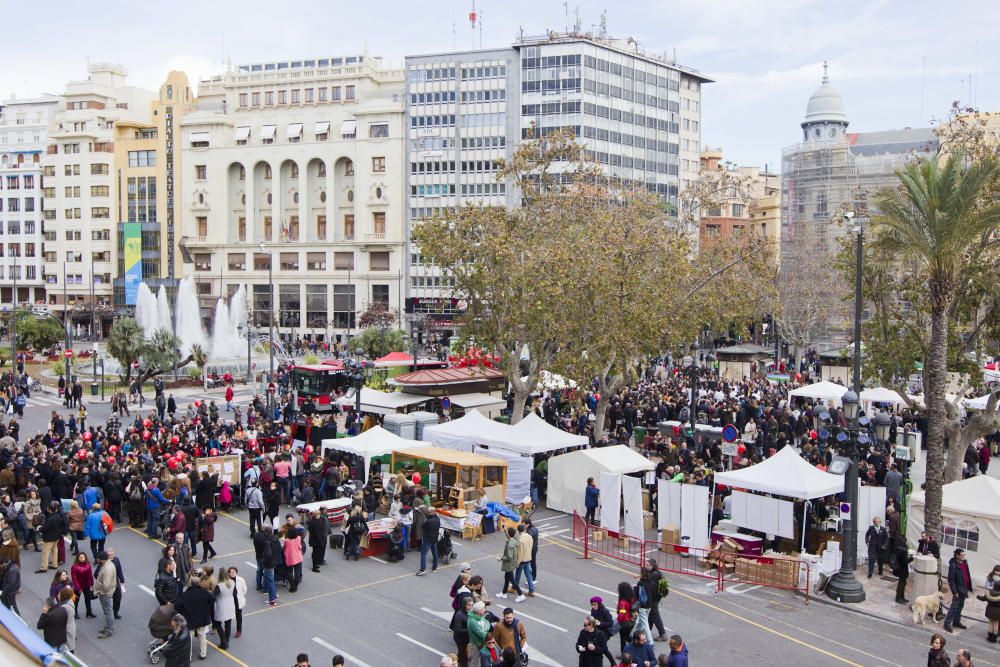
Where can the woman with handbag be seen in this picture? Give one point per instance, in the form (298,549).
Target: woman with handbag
(627,611)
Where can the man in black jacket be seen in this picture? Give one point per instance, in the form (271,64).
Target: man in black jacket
(165,586)
(654,603)
(429,539)
(196,605)
(319,533)
(177,649)
(270,556)
(10,583)
(531,530)
(960,583)
(53,623)
(877,539)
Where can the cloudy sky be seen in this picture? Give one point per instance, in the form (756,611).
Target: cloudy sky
(898,63)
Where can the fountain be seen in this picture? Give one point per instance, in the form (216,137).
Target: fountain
(152,312)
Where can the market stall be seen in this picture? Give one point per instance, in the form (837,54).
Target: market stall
(383,403)
(487,404)
(568,473)
(828,392)
(450,470)
(970,518)
(335,508)
(375,442)
(465,433)
(785,474)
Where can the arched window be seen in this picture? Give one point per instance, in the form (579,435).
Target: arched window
(964,534)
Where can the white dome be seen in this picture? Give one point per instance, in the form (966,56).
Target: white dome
(826,104)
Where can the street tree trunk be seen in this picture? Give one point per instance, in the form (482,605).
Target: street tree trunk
(607,386)
(959,437)
(935,379)
(521,388)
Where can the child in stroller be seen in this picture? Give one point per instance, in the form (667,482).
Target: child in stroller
(445,550)
(395,552)
(159,628)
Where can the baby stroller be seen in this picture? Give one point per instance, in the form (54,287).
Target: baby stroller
(395,552)
(445,550)
(159,627)
(166,517)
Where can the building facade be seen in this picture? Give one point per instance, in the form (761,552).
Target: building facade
(23,136)
(754,206)
(297,167)
(638,115)
(147,168)
(832,171)
(80,186)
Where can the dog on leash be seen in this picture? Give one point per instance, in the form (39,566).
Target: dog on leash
(927,604)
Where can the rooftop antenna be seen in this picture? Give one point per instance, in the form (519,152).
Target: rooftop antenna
(923,80)
(473,17)
(566,15)
(577,25)
(826,78)
(604,24)
(454,46)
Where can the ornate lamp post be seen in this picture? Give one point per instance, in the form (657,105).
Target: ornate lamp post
(843,586)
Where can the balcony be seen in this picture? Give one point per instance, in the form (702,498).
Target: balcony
(376,236)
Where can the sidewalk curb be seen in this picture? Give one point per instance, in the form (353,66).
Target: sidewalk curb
(854,609)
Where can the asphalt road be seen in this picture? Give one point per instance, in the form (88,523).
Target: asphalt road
(379,614)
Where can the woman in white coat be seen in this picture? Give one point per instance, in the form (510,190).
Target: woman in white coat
(225,608)
(240,594)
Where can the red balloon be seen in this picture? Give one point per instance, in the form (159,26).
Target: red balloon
(111,459)
(172,464)
(113,448)
(181,455)
(213,452)
(87,436)
(146,423)
(197,404)
(416,478)
(174,440)
(81,454)
(146,435)
(309,449)
(742,449)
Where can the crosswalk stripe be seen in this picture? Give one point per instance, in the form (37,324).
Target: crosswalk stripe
(347,656)
(561,603)
(538,620)
(420,644)
(602,590)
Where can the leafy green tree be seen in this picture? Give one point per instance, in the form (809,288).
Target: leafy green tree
(198,356)
(38,333)
(934,244)
(379,342)
(126,342)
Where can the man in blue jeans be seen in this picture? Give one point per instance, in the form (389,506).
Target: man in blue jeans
(270,557)
(154,504)
(960,583)
(429,539)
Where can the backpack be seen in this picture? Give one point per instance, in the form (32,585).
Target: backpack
(642,594)
(109,525)
(135,493)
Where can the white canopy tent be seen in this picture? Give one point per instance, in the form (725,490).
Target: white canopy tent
(568,473)
(970,518)
(829,392)
(881,395)
(376,441)
(481,402)
(978,403)
(383,403)
(784,474)
(465,433)
(533,435)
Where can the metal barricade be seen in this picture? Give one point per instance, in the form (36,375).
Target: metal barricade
(599,541)
(682,559)
(771,571)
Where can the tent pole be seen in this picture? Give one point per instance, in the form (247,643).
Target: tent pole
(711,510)
(805,504)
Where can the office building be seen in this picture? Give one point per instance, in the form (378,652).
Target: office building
(297,166)
(80,186)
(23,136)
(753,206)
(637,114)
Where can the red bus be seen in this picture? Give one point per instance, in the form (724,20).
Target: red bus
(319,381)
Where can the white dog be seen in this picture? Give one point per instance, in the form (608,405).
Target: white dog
(927,604)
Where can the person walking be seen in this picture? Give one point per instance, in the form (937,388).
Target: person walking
(105,583)
(479,628)
(165,586)
(75,520)
(270,557)
(95,529)
(678,652)
(177,649)
(225,608)
(319,535)
(116,600)
(196,605)
(255,504)
(937,656)
(590,644)
(10,583)
(229,398)
(239,598)
(354,530)
(154,505)
(429,530)
(992,600)
(641,650)
(292,549)
(960,583)
(53,529)
(52,623)
(510,633)
(68,602)
(82,576)
(902,571)
(655,620)
(533,531)
(877,539)
(206,533)
(459,628)
(591,500)
(508,563)
(644,600)
(626,612)
(526,545)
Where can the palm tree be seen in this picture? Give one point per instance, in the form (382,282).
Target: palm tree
(930,225)
(126,343)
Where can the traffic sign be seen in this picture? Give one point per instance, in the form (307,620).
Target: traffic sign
(730,449)
(845,511)
(68,354)
(730,433)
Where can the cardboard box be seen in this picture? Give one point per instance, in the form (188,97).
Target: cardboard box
(646,503)
(669,535)
(647,521)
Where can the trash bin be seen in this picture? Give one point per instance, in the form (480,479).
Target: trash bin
(93,389)
(640,435)
(503,419)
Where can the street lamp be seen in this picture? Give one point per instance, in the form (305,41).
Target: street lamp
(688,362)
(843,585)
(270,314)
(243,329)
